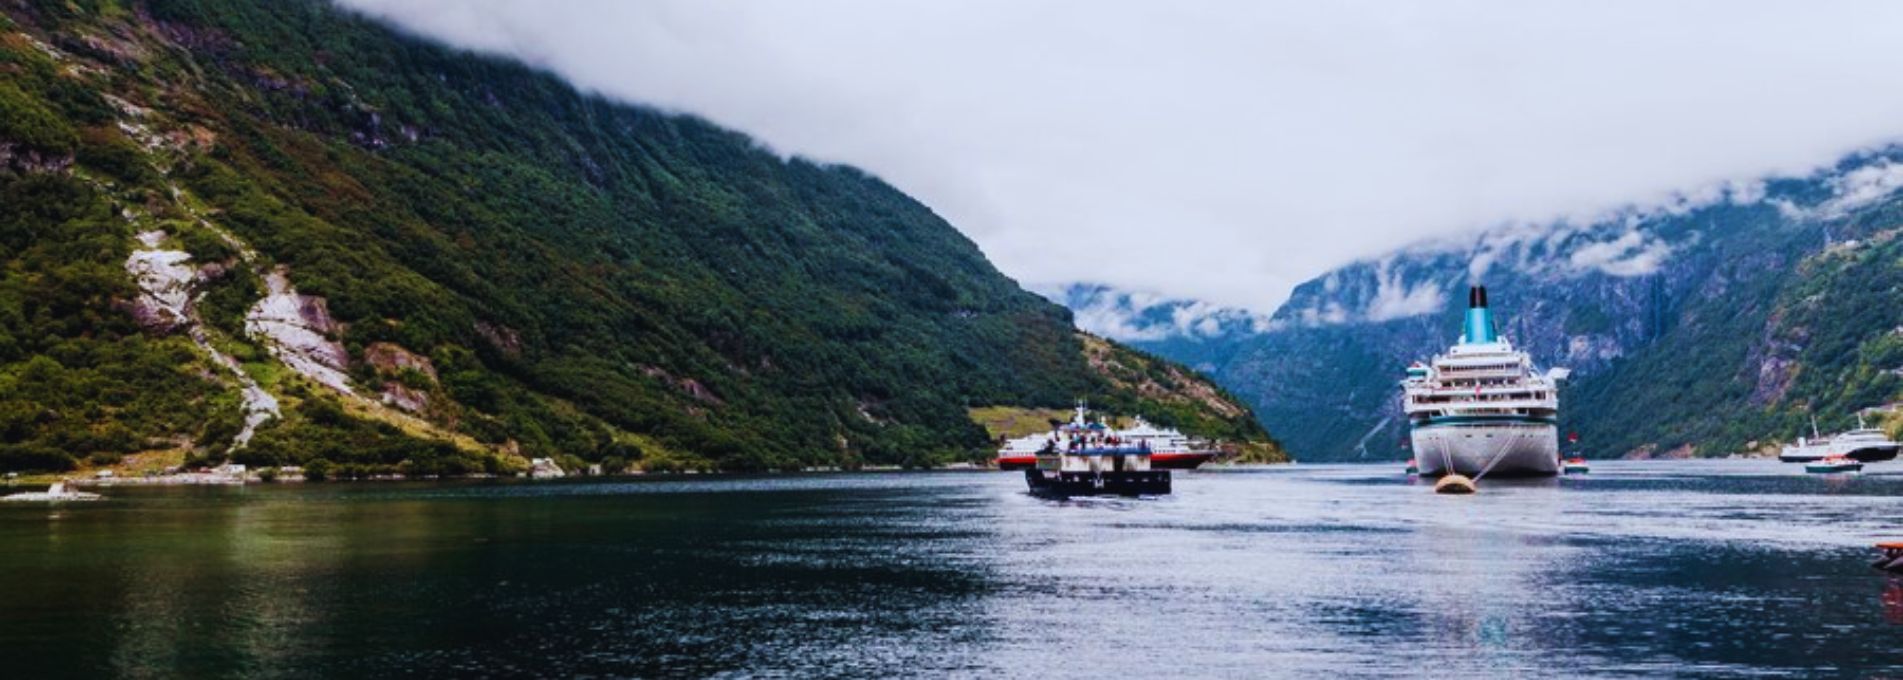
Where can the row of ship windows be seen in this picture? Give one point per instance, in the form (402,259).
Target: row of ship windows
(1497,382)
(1464,399)
(1457,370)
(1483,412)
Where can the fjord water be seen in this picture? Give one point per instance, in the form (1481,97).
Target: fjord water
(1711,568)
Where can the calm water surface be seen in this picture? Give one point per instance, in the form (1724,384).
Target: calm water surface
(1691,568)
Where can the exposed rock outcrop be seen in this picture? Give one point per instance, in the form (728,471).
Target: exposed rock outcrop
(13,157)
(165,303)
(502,338)
(393,361)
(165,284)
(299,331)
(390,358)
(689,386)
(404,397)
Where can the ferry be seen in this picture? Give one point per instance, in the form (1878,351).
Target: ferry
(1091,467)
(1482,408)
(1169,449)
(1864,444)
(1804,451)
(1807,449)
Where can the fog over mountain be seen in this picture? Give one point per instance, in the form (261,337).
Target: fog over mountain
(1225,152)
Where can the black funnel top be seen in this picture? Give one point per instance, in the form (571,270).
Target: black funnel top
(1479,319)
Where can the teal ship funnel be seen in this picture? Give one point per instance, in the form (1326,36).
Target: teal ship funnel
(1479,318)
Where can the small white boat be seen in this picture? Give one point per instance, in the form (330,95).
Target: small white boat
(1831,464)
(57,493)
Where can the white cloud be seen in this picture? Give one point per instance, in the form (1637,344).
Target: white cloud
(1479,265)
(1116,323)
(1226,151)
(1329,313)
(1745,192)
(1134,315)
(1394,299)
(1860,187)
(1633,253)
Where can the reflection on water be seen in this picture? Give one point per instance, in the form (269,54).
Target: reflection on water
(1893,601)
(1715,567)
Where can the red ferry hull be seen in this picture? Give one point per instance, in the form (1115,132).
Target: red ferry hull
(1187,460)
(1017,462)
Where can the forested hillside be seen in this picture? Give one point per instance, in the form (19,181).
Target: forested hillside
(381,252)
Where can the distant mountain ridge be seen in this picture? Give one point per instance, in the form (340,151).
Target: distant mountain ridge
(1695,327)
(1190,331)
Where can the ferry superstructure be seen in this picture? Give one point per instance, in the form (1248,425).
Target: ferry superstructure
(1169,449)
(1481,407)
(1096,467)
(1865,444)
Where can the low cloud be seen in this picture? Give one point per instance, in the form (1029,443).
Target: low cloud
(1632,254)
(1394,299)
(1117,323)
(1861,187)
(1228,151)
(1145,316)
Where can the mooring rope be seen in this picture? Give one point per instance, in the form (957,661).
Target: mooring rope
(1447,459)
(1498,455)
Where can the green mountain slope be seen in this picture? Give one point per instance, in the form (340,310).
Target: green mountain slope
(468,262)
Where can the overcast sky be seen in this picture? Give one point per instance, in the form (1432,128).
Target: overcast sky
(1229,150)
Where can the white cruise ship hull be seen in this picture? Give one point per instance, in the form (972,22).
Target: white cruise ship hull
(1520,449)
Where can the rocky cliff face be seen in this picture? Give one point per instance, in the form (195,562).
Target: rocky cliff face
(1682,322)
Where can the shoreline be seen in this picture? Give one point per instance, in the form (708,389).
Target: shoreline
(290,477)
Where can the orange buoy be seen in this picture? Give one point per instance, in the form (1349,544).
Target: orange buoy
(1455,484)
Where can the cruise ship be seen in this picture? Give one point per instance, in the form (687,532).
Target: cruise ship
(1481,408)
(1169,449)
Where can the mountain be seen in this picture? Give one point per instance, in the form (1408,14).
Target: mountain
(284,233)
(1190,331)
(1718,322)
